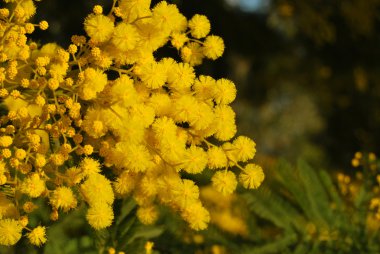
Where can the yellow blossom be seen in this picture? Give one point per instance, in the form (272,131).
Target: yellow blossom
(97,189)
(33,185)
(99,27)
(153,75)
(37,236)
(147,215)
(92,82)
(6,141)
(213,47)
(109,117)
(224,182)
(196,160)
(252,176)
(125,37)
(133,9)
(197,216)
(44,25)
(216,157)
(199,26)
(224,92)
(63,198)
(10,232)
(100,216)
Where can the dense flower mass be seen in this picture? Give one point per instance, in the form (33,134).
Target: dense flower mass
(106,118)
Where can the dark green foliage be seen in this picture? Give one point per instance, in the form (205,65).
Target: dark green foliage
(305,206)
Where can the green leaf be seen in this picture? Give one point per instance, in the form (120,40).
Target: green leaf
(275,246)
(316,194)
(331,189)
(126,210)
(146,232)
(274,208)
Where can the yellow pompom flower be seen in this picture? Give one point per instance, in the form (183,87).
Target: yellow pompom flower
(192,53)
(152,38)
(224,123)
(178,40)
(33,186)
(142,113)
(148,186)
(6,153)
(37,236)
(197,216)
(216,158)
(24,220)
(27,9)
(100,216)
(164,129)
(252,176)
(88,149)
(133,133)
(203,117)
(161,103)
(123,91)
(199,26)
(6,141)
(213,47)
(204,87)
(133,9)
(184,192)
(20,154)
(97,9)
(57,159)
(63,198)
(167,64)
(125,37)
(147,215)
(184,109)
(166,16)
(137,157)
(89,166)
(94,123)
(4,12)
(74,175)
(153,75)
(10,232)
(181,76)
(225,91)
(91,82)
(224,182)
(125,183)
(244,148)
(40,160)
(97,189)
(196,160)
(99,27)
(44,25)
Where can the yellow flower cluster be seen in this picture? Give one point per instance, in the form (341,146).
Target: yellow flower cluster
(368,162)
(108,106)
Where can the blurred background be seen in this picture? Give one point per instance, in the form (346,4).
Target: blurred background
(306,71)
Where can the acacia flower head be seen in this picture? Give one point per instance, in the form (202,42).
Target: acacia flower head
(10,231)
(37,236)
